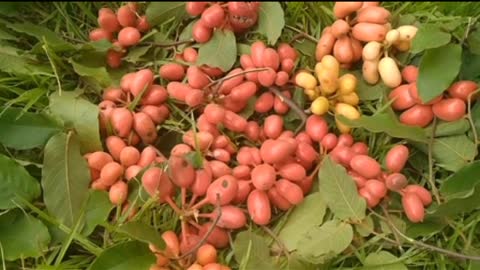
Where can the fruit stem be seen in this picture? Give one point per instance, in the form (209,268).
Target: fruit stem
(221,80)
(173,205)
(300,34)
(192,201)
(470,119)
(200,204)
(430,162)
(292,106)
(171,44)
(184,197)
(209,232)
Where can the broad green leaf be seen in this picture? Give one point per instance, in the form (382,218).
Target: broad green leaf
(251,252)
(369,92)
(97,74)
(65,178)
(142,232)
(53,40)
(186,34)
(397,222)
(4,35)
(473,41)
(305,216)
(135,54)
(306,47)
(25,130)
(366,227)
(429,226)
(295,262)
(457,206)
(220,51)
(339,191)
(292,119)
(124,256)
(271,21)
(97,210)
(386,123)
(15,182)
(383,260)
(80,114)
(319,244)
(249,109)
(160,12)
(243,49)
(100,46)
(475,112)
(438,68)
(22,235)
(21,65)
(12,9)
(451,153)
(429,36)
(462,183)
(442,129)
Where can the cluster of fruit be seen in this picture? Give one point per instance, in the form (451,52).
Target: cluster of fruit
(448,106)
(135,109)
(375,66)
(356,22)
(126,24)
(236,16)
(372,182)
(205,256)
(328,90)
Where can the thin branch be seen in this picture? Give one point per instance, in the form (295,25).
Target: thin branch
(221,80)
(209,232)
(301,33)
(292,106)
(282,246)
(470,119)
(430,162)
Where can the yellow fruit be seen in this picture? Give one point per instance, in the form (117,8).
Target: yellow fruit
(347,84)
(370,71)
(351,98)
(331,63)
(407,32)
(305,80)
(392,36)
(311,94)
(349,112)
(328,81)
(319,106)
(371,50)
(389,72)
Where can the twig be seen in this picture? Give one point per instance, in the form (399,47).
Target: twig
(470,119)
(292,106)
(390,224)
(172,44)
(282,246)
(430,162)
(302,33)
(209,232)
(221,80)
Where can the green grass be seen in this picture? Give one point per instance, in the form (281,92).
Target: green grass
(73,21)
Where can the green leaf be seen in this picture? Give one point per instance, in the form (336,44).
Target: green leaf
(306,47)
(271,21)
(186,34)
(292,119)
(15,182)
(462,183)
(21,65)
(142,232)
(457,206)
(80,114)
(22,235)
(159,12)
(100,46)
(339,191)
(383,260)
(386,123)
(53,40)
(135,54)
(220,51)
(438,68)
(243,49)
(429,36)
(305,216)
(97,210)
(473,41)
(25,130)
(124,256)
(97,74)
(429,226)
(366,91)
(4,35)
(295,262)
(251,252)
(451,153)
(442,129)
(65,178)
(249,110)
(475,112)
(366,227)
(322,243)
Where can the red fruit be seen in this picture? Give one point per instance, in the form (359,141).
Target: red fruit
(213,16)
(129,36)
